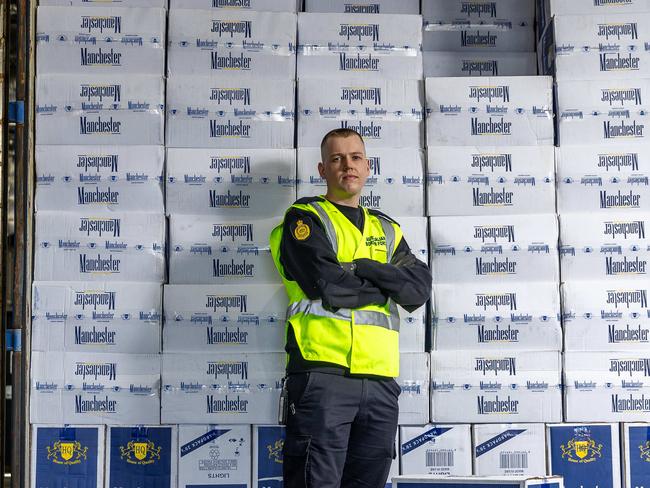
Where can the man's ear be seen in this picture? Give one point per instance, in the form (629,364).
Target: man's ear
(321,169)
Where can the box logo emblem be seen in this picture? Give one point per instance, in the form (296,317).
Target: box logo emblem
(275,451)
(140,452)
(582,448)
(67,453)
(644,450)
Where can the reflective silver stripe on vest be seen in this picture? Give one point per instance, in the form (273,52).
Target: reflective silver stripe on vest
(329,227)
(361,317)
(389,232)
(315,307)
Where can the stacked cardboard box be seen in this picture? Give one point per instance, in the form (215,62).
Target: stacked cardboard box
(479,38)
(597,55)
(496,326)
(231,174)
(100,225)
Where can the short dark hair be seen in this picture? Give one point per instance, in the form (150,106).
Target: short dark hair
(340,133)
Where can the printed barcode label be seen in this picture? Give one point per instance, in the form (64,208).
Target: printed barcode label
(514,460)
(440,458)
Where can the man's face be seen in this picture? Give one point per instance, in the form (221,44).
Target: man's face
(344,166)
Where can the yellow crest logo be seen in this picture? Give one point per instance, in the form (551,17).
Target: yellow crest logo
(140,452)
(644,450)
(275,451)
(67,453)
(581,449)
(302,231)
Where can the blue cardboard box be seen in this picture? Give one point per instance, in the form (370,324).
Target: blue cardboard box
(268,441)
(636,455)
(67,456)
(586,455)
(141,457)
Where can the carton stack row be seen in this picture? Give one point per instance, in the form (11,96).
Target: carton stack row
(231,173)
(491,200)
(598,53)
(100,226)
(472,38)
(168,456)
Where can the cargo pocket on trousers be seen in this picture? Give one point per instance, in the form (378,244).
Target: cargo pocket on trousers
(296,461)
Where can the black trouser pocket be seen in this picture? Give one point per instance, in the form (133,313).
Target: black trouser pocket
(298,386)
(295,464)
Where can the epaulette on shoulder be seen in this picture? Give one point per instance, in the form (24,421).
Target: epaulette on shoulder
(306,200)
(382,215)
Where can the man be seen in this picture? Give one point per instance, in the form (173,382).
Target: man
(344,268)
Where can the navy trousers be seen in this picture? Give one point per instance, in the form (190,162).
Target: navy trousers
(340,431)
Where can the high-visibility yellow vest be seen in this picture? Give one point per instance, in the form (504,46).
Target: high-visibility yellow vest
(365,339)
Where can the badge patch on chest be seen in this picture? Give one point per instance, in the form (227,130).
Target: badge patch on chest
(302,231)
(375,241)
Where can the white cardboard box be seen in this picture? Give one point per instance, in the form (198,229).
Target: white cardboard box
(515,386)
(602,96)
(478,13)
(602,112)
(606,386)
(509,449)
(101,40)
(133,174)
(597,445)
(87,247)
(220,318)
(494,248)
(413,380)
(363,6)
(95,109)
(395,185)
(604,247)
(436,449)
(199,182)
(232,43)
(471,180)
(387,113)
(602,160)
(214,455)
(93,388)
(210,250)
(343,98)
(67,455)
(96,317)
(605,316)
(489,111)
(496,316)
(417,481)
(359,63)
(451,63)
(591,178)
(268,441)
(604,32)
(246,5)
(596,47)
(635,454)
(141,455)
(228,388)
(207,112)
(393,34)
(500,36)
